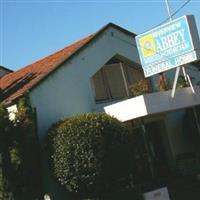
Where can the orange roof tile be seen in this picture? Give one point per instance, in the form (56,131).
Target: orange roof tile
(16,84)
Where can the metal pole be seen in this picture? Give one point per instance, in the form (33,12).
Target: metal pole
(178,68)
(168,10)
(175,82)
(186,76)
(189,80)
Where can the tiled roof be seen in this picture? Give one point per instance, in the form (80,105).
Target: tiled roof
(16,84)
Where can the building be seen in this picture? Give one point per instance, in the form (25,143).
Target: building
(94,74)
(4,71)
(67,81)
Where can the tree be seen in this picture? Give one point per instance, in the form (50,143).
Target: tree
(90,154)
(5,161)
(25,153)
(19,154)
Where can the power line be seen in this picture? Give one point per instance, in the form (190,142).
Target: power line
(180,8)
(188,1)
(161,54)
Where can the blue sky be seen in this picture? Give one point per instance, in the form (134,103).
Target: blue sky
(32,29)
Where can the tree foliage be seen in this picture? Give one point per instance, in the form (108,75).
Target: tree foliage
(19,154)
(5,131)
(90,154)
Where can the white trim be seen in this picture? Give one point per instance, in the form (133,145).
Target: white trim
(153,103)
(124,79)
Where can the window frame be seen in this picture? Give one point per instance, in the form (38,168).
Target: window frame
(107,89)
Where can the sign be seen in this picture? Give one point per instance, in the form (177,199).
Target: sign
(159,194)
(170,45)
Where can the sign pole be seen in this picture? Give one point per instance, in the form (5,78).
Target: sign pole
(175,82)
(187,79)
(186,76)
(168,9)
(178,68)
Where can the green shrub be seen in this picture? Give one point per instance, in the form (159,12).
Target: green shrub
(19,155)
(25,154)
(181,83)
(140,87)
(90,154)
(163,83)
(5,126)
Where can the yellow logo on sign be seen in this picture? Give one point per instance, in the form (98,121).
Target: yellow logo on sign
(147,45)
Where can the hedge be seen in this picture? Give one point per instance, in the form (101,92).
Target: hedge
(90,154)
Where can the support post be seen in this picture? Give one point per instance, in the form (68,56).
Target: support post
(190,83)
(168,10)
(186,76)
(175,81)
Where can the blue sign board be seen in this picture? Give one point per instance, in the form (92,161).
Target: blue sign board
(170,45)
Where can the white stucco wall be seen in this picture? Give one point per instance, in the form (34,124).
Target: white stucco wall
(68,90)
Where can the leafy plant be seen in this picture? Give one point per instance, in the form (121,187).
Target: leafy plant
(19,154)
(90,154)
(4,153)
(181,83)
(140,87)
(163,83)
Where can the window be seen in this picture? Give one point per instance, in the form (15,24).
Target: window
(133,74)
(112,80)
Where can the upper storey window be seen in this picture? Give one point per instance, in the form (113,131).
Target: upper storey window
(112,81)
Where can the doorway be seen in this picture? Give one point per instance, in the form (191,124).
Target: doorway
(150,152)
(156,148)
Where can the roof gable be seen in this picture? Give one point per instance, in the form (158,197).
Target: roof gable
(16,84)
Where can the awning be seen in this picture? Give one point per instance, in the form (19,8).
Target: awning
(153,103)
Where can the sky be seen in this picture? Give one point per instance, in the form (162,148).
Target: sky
(33,29)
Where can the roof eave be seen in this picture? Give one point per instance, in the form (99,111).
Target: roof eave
(82,47)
